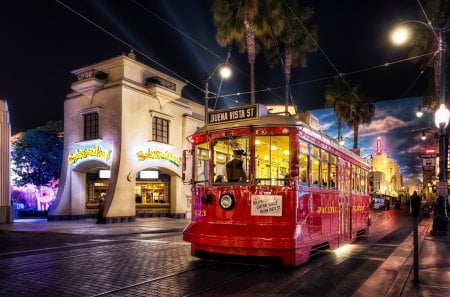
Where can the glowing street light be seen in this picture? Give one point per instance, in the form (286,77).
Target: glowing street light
(225,72)
(441,117)
(400,35)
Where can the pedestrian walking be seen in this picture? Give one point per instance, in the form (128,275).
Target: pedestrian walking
(100,209)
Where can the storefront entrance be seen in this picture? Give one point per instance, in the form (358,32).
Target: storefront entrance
(151,194)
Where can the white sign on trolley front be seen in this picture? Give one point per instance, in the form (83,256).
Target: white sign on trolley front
(267,205)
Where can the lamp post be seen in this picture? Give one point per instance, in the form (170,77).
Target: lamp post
(441,116)
(225,72)
(441,120)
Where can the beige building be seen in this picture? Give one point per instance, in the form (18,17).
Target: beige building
(125,128)
(6,214)
(387,176)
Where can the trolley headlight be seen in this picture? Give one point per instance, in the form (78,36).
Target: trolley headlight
(227,201)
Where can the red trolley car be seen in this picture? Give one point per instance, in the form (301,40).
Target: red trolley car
(300,189)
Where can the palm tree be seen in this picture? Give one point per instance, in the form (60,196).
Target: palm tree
(338,95)
(361,112)
(242,21)
(295,41)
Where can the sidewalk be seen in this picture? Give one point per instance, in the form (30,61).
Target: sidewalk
(394,278)
(89,227)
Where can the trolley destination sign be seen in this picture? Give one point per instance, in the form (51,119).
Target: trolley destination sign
(249,112)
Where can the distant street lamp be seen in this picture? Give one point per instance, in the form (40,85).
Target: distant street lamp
(419,112)
(400,36)
(225,73)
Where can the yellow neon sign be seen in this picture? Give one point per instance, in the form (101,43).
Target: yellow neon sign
(157,155)
(94,151)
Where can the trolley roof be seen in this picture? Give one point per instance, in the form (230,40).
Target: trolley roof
(230,119)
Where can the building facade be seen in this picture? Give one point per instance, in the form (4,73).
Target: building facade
(125,128)
(6,214)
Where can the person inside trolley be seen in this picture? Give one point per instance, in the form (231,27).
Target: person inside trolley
(235,168)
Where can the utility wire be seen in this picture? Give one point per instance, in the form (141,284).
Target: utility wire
(127,44)
(176,29)
(203,47)
(428,20)
(420,73)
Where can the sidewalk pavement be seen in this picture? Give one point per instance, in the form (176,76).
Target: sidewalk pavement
(89,227)
(394,278)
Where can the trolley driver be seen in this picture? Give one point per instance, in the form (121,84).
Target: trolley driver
(235,169)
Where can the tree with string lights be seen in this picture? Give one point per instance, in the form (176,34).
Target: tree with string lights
(37,155)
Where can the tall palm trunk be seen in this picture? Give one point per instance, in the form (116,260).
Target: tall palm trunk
(339,125)
(355,135)
(287,76)
(251,52)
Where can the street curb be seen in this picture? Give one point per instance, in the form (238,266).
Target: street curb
(390,278)
(397,286)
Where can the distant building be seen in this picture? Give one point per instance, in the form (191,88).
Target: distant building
(387,178)
(125,128)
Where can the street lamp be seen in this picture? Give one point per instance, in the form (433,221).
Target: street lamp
(419,112)
(441,116)
(225,73)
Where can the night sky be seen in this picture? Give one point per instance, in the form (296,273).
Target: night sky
(43,41)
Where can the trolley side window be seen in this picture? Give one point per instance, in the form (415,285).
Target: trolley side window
(364,181)
(201,169)
(272,159)
(231,151)
(315,165)
(333,172)
(325,169)
(304,163)
(356,172)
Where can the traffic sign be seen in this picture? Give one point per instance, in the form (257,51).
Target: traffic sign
(427,156)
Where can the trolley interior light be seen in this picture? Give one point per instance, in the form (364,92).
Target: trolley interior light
(227,201)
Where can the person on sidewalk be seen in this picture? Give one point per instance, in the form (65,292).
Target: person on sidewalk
(100,209)
(415,204)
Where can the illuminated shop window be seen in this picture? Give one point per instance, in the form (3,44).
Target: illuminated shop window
(160,130)
(152,193)
(97,187)
(90,125)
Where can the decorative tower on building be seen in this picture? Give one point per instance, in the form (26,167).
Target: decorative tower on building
(386,173)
